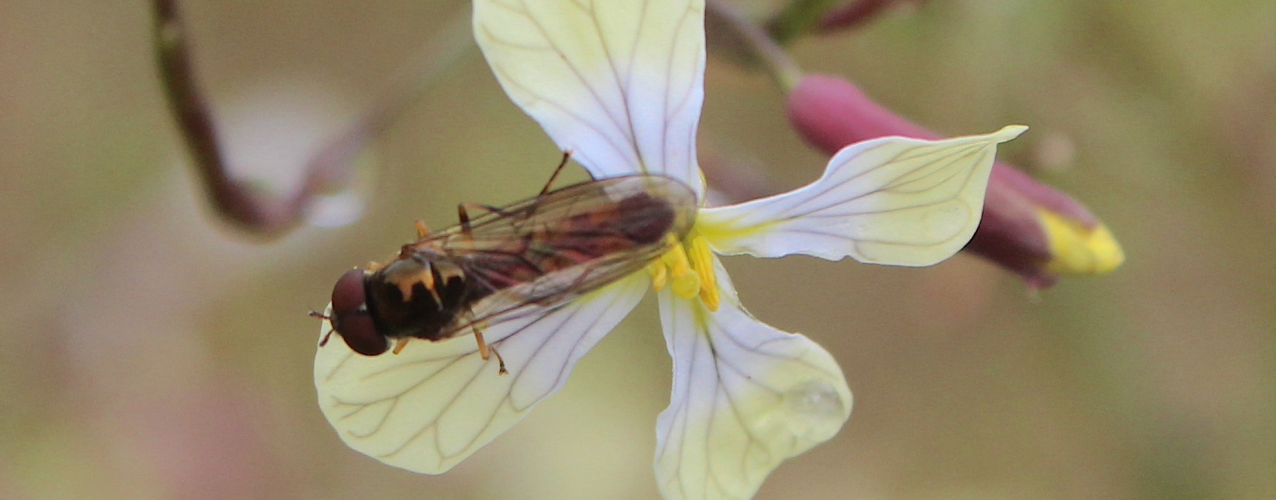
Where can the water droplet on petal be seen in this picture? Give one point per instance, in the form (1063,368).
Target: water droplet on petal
(815,410)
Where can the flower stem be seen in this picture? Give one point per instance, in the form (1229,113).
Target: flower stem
(749,44)
(247,207)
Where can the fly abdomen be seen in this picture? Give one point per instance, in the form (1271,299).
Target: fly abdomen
(657,218)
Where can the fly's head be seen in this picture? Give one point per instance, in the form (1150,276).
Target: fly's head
(350,317)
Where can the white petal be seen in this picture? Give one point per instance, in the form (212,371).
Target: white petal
(897,201)
(745,398)
(434,404)
(618,83)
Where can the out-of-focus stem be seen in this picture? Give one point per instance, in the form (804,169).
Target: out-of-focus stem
(857,13)
(797,18)
(236,202)
(803,17)
(246,207)
(731,33)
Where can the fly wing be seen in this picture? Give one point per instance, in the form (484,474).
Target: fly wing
(544,295)
(630,199)
(534,255)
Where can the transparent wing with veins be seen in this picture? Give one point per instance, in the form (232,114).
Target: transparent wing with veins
(533,255)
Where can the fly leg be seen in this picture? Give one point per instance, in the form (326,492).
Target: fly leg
(400,343)
(531,209)
(567,155)
(422,233)
(487,351)
(462,210)
(463,213)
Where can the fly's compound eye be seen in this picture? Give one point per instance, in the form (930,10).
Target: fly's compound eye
(350,316)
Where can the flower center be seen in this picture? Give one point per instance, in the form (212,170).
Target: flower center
(687,268)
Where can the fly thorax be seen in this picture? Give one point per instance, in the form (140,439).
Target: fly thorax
(415,297)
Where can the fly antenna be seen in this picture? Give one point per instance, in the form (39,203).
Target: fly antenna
(321,316)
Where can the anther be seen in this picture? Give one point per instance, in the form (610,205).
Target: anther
(659,275)
(702,262)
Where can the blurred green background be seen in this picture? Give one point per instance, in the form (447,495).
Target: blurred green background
(147,351)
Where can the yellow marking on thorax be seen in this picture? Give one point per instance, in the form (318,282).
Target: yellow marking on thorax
(405,288)
(425,278)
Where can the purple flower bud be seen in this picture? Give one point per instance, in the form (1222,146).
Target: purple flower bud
(1027,227)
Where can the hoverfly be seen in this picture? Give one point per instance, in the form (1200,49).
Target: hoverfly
(524,258)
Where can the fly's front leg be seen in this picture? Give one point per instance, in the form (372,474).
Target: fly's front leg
(487,351)
(400,343)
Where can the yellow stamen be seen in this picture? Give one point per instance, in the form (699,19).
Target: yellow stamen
(702,262)
(686,286)
(688,271)
(685,282)
(676,259)
(659,275)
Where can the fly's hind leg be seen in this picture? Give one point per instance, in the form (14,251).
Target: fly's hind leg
(531,209)
(567,155)
(463,213)
(463,210)
(487,351)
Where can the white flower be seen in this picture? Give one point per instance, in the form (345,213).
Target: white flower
(620,84)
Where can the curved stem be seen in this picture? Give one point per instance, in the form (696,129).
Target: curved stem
(749,43)
(240,203)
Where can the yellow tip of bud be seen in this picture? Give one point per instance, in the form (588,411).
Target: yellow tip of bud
(1078,249)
